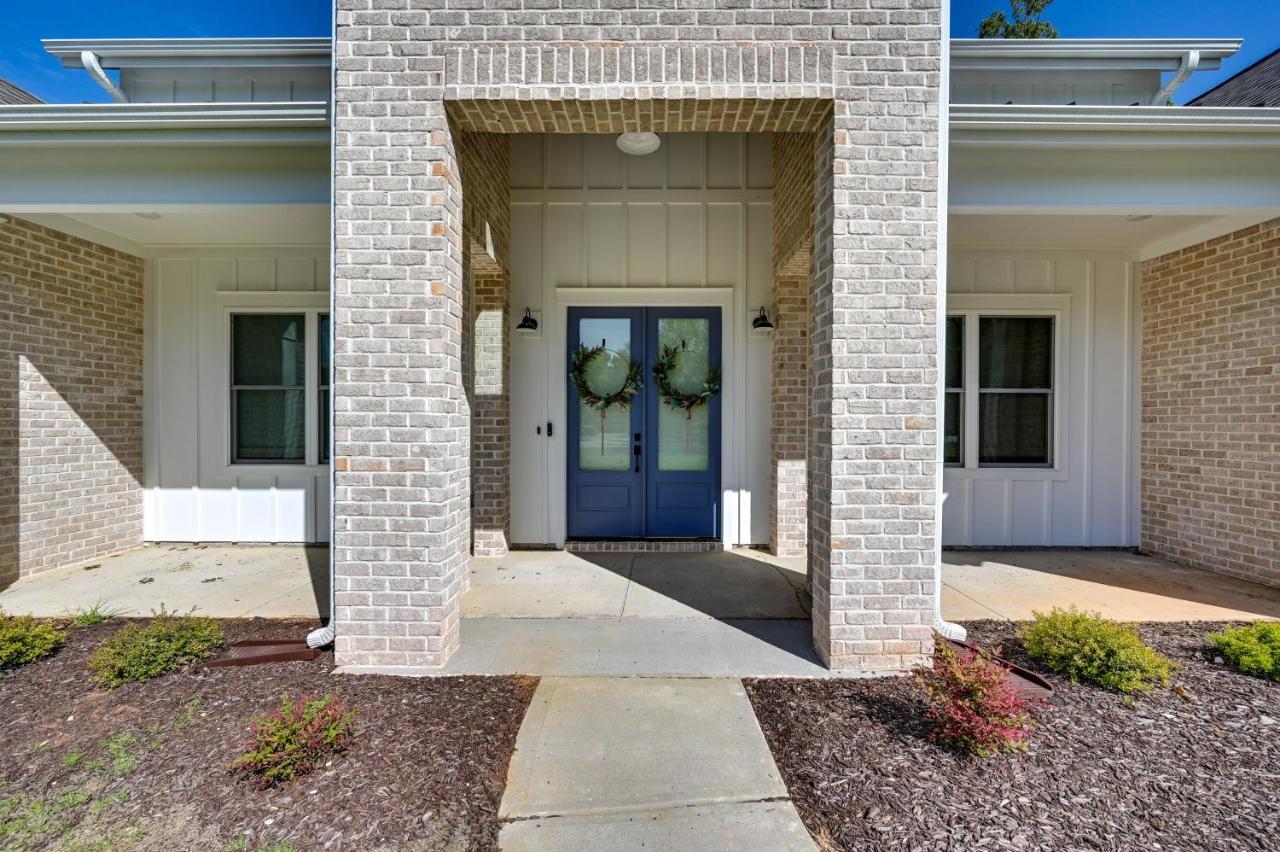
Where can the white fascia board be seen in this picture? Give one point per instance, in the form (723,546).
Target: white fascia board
(1090,53)
(164,123)
(1106,126)
(202,52)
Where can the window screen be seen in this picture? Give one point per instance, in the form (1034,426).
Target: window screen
(1015,391)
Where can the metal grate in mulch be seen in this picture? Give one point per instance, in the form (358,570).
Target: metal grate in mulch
(252,652)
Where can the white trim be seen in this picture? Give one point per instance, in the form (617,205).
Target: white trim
(974,305)
(642,196)
(163,116)
(1163,54)
(732,460)
(202,52)
(1159,126)
(1203,233)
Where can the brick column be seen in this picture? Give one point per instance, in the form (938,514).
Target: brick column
(873,360)
(401,466)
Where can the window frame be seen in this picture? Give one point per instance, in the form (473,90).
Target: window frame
(972,308)
(311,389)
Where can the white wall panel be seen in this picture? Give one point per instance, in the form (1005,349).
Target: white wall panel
(194,493)
(584,215)
(1089,500)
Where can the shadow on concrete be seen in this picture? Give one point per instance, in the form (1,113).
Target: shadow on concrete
(763,600)
(1117,569)
(318,568)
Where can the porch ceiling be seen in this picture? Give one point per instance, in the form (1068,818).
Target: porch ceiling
(690,115)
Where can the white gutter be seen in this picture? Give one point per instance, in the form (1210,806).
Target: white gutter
(89,60)
(163,116)
(1190,62)
(946,629)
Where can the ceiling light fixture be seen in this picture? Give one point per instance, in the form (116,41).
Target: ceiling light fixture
(638,144)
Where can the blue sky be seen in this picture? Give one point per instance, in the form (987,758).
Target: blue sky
(24,62)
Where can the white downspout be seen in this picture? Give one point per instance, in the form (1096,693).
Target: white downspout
(1190,62)
(89,60)
(946,629)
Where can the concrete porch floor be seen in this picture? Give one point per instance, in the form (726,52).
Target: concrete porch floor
(276,581)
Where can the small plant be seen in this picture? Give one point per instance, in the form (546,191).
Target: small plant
(1253,649)
(24,639)
(972,707)
(296,738)
(97,614)
(1087,647)
(169,642)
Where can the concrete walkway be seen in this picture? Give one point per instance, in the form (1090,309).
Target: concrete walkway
(643,763)
(221,581)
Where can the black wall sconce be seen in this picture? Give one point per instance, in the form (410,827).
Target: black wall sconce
(527,324)
(761,324)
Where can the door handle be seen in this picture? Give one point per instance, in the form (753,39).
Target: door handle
(636,450)
(548,428)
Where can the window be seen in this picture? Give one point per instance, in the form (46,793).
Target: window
(322,415)
(1000,392)
(280,397)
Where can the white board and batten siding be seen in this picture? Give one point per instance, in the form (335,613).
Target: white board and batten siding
(193,492)
(689,224)
(1090,498)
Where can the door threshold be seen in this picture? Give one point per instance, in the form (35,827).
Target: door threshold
(643,545)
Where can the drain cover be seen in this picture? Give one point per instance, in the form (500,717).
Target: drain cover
(251,652)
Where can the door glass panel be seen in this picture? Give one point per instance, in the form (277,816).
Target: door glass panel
(604,437)
(684,438)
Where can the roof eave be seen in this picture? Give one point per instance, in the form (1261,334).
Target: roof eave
(1156,127)
(133,53)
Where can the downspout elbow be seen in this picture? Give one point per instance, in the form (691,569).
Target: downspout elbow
(89,60)
(1190,62)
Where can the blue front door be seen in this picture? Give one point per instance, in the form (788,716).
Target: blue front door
(647,469)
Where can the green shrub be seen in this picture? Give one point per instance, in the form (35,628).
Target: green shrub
(1087,647)
(169,642)
(92,616)
(296,738)
(24,639)
(1253,649)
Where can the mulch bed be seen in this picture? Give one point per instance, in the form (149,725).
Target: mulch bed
(147,765)
(1162,772)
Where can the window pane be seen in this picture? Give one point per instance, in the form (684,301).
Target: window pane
(684,439)
(953,448)
(268,349)
(604,437)
(1014,428)
(323,331)
(955,352)
(323,419)
(270,425)
(1015,352)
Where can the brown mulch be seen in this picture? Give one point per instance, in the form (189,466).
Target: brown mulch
(426,769)
(1195,769)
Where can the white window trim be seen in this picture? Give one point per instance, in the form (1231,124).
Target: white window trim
(972,307)
(311,312)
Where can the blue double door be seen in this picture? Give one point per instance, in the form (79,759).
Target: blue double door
(645,469)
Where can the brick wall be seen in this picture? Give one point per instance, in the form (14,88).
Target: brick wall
(485,163)
(410,78)
(1211,404)
(793,221)
(70,400)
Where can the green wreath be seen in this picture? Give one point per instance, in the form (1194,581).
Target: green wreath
(582,358)
(664,366)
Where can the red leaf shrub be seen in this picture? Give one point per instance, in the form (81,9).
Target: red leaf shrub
(971,706)
(296,738)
